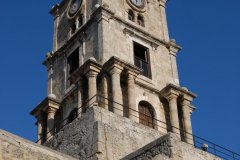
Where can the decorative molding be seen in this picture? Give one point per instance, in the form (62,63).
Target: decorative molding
(148,40)
(171,88)
(44,105)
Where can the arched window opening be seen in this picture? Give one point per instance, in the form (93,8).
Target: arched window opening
(140,20)
(73,115)
(131,15)
(146,114)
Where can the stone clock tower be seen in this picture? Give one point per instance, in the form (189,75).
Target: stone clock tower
(113,83)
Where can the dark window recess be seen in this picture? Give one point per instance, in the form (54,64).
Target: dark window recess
(43,135)
(73,28)
(140,20)
(131,15)
(146,114)
(80,20)
(73,115)
(73,61)
(57,120)
(141,59)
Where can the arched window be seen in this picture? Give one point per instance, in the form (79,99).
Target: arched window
(131,15)
(140,20)
(146,114)
(73,115)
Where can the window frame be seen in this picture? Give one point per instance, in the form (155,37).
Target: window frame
(71,56)
(147,56)
(140,20)
(131,15)
(145,119)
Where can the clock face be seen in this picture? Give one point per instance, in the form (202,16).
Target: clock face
(138,3)
(74,6)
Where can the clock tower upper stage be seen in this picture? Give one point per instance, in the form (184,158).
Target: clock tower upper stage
(109,21)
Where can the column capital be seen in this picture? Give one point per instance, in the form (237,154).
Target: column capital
(170,94)
(53,106)
(44,106)
(115,69)
(52,109)
(185,102)
(132,74)
(92,73)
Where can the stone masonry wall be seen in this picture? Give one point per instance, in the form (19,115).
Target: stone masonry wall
(15,148)
(100,134)
(169,147)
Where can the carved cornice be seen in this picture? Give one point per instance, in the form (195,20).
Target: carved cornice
(115,61)
(149,40)
(44,105)
(84,70)
(173,88)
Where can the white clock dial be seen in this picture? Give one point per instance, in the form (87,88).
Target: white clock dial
(138,3)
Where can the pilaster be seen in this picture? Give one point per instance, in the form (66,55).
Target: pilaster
(173,50)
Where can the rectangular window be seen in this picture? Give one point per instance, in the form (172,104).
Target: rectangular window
(73,61)
(141,59)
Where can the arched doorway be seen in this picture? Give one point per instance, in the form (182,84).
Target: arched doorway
(146,114)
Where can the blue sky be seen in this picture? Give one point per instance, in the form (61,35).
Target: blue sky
(208,31)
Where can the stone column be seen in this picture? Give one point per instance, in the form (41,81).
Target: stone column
(92,87)
(50,122)
(79,95)
(39,129)
(133,114)
(105,92)
(116,89)
(172,99)
(186,108)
